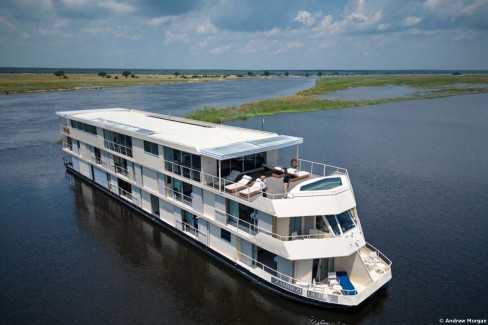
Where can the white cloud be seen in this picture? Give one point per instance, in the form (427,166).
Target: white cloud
(171,37)
(384,26)
(117,7)
(412,20)
(290,45)
(206,27)
(305,18)
(221,49)
(160,20)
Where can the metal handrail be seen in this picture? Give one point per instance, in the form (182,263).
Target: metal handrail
(124,150)
(97,160)
(178,196)
(182,170)
(64,129)
(303,162)
(120,170)
(185,226)
(67,146)
(124,193)
(379,253)
(254,229)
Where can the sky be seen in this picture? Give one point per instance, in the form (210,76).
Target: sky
(245,34)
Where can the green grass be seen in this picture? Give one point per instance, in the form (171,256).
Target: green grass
(11,83)
(428,86)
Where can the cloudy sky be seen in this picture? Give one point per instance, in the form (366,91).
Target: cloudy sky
(245,34)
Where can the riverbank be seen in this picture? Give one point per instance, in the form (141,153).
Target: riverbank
(13,83)
(425,86)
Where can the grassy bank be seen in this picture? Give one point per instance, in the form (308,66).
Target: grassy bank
(11,83)
(426,86)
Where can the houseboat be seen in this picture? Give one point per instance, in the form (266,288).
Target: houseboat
(243,196)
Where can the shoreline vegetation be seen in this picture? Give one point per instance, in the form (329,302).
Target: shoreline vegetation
(424,86)
(15,83)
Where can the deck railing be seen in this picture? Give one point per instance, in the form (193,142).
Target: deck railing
(252,229)
(178,196)
(67,146)
(126,151)
(189,229)
(97,160)
(182,170)
(120,170)
(64,129)
(123,193)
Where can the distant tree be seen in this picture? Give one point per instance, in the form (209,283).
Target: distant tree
(307,74)
(59,73)
(266,73)
(126,73)
(287,74)
(319,73)
(108,76)
(176,74)
(250,74)
(65,77)
(116,77)
(102,74)
(132,75)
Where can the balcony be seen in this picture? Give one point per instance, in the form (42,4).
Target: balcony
(126,151)
(64,129)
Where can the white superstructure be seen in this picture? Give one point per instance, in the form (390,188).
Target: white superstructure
(203,181)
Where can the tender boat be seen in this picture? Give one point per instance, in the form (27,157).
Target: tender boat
(222,189)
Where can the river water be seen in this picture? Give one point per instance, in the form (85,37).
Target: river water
(69,254)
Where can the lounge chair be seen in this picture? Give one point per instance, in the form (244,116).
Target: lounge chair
(297,175)
(227,179)
(240,185)
(254,189)
(278,172)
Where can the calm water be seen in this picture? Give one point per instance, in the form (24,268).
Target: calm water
(69,254)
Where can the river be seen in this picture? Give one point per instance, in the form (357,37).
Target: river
(69,254)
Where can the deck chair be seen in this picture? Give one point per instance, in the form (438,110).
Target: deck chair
(297,175)
(240,185)
(227,179)
(252,190)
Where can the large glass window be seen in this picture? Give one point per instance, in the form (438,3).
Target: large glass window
(345,221)
(243,164)
(333,224)
(120,143)
(182,163)
(151,147)
(84,127)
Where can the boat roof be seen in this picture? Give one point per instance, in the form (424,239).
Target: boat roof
(208,139)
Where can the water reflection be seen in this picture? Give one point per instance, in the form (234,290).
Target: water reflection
(198,287)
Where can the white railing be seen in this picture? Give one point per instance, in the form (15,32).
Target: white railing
(120,170)
(126,151)
(380,255)
(178,196)
(97,160)
(64,129)
(189,229)
(67,146)
(316,168)
(182,170)
(252,229)
(123,193)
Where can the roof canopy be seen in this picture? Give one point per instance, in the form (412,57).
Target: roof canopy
(245,148)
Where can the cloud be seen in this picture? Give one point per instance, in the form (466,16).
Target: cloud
(221,49)
(305,18)
(412,20)
(171,37)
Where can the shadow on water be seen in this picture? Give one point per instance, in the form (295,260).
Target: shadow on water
(196,286)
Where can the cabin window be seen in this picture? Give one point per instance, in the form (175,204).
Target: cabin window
(345,221)
(120,143)
(243,164)
(333,224)
(182,163)
(84,127)
(225,235)
(151,147)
